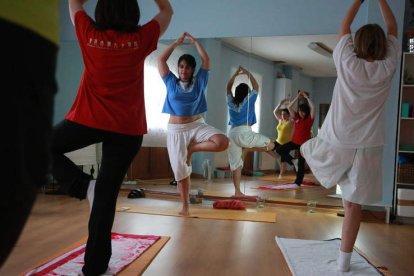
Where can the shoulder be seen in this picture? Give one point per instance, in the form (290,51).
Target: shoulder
(151,26)
(169,76)
(345,45)
(309,120)
(81,17)
(202,72)
(394,45)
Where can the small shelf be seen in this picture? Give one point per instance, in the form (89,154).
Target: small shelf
(404,173)
(405,185)
(406,151)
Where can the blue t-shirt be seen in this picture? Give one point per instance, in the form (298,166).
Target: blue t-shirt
(185,102)
(238,114)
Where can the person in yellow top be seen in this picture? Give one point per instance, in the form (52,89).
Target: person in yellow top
(30,32)
(284,130)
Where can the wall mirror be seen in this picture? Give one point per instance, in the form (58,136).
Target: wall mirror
(282,65)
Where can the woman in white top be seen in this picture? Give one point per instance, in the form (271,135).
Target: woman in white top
(348,149)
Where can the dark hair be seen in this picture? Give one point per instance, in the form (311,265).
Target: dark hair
(118,15)
(284,110)
(305,109)
(190,60)
(370,42)
(240,93)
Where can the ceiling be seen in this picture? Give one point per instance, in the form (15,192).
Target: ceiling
(291,50)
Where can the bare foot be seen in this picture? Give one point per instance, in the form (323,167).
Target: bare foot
(184,212)
(270,146)
(239,193)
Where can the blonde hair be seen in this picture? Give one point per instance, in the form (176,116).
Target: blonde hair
(370,42)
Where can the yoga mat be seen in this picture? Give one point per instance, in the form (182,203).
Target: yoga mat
(286,186)
(285,179)
(229,196)
(131,255)
(286,200)
(217,194)
(203,213)
(314,257)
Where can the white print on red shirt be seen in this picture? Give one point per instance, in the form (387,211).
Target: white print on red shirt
(93,42)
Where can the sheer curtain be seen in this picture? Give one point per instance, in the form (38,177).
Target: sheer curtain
(155,93)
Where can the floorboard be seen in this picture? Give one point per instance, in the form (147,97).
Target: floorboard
(209,246)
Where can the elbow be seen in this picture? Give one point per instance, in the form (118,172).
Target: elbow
(161,62)
(170,11)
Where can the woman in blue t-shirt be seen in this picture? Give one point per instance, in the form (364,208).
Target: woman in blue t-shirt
(242,117)
(185,102)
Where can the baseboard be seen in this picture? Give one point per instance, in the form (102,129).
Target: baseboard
(405,220)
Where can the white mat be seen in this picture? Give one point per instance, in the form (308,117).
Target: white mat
(312,257)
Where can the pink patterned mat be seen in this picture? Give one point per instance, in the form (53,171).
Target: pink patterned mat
(287,186)
(125,249)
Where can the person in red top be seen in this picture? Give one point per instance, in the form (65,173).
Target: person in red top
(109,108)
(303,120)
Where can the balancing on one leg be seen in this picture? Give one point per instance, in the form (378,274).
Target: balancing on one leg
(349,146)
(108,108)
(186,102)
(303,121)
(242,117)
(284,131)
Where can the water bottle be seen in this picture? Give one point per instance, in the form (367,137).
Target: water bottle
(207,170)
(410,45)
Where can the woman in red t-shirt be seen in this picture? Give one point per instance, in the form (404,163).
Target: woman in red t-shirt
(303,120)
(108,109)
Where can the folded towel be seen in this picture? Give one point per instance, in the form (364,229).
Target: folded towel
(230,204)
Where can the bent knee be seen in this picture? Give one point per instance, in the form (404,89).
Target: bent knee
(221,141)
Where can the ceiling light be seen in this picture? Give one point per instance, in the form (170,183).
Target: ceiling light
(320,48)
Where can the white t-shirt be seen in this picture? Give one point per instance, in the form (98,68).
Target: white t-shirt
(356,116)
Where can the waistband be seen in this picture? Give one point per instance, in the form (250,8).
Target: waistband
(185,127)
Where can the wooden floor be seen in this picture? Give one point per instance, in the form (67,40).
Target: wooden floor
(205,246)
(247,185)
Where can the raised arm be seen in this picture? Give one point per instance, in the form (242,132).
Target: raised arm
(291,104)
(164,16)
(205,60)
(251,78)
(277,112)
(163,68)
(389,17)
(311,105)
(231,81)
(74,7)
(349,18)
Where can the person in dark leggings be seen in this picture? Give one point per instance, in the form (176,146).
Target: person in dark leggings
(28,87)
(108,108)
(303,120)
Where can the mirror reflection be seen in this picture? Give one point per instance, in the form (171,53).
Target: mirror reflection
(282,66)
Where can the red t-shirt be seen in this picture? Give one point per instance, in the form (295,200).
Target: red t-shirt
(302,131)
(111,92)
